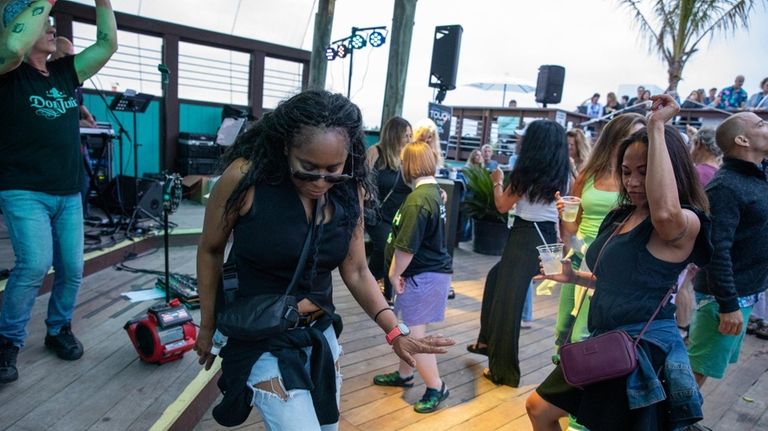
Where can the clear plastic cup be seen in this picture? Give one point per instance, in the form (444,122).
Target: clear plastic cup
(571,209)
(551,258)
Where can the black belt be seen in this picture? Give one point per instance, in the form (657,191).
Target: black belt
(306,320)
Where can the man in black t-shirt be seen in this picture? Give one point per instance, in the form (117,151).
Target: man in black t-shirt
(41,170)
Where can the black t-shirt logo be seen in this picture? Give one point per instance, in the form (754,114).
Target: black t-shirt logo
(53,105)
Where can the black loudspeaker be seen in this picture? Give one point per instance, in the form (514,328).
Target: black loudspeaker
(445,56)
(549,86)
(121,196)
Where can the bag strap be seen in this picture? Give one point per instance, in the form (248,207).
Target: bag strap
(305,250)
(231,283)
(392,189)
(655,313)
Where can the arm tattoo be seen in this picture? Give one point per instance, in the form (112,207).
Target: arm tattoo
(18,28)
(102,36)
(37,11)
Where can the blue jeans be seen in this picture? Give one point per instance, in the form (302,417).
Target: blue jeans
(43,229)
(296,413)
(528,306)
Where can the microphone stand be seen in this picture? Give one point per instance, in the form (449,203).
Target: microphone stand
(120,129)
(120,133)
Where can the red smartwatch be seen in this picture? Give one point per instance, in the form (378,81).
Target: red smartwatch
(400,329)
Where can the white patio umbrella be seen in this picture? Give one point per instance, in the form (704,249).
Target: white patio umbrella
(504,83)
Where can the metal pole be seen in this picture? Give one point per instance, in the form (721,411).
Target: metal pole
(165,249)
(351,60)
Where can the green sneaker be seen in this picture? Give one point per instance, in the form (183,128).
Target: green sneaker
(431,400)
(393,379)
(573,425)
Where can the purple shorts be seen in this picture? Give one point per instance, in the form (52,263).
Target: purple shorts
(424,298)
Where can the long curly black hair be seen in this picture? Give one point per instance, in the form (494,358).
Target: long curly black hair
(542,168)
(264,146)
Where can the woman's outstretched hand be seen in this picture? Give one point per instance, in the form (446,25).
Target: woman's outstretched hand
(663,108)
(559,203)
(405,346)
(568,275)
(203,346)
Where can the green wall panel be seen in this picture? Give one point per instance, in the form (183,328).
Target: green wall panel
(199,118)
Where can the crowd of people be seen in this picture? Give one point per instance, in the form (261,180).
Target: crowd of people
(729,98)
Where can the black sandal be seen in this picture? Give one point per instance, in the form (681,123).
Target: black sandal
(474,348)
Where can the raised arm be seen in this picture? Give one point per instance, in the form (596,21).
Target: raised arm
(93,58)
(503,199)
(673,224)
(18,35)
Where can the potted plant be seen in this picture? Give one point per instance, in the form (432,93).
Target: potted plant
(490,226)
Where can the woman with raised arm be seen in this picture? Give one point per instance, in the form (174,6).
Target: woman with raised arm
(300,169)
(659,227)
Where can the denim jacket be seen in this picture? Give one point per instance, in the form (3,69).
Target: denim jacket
(678,386)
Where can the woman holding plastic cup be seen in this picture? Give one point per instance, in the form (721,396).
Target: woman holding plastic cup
(542,168)
(658,228)
(594,194)
(597,189)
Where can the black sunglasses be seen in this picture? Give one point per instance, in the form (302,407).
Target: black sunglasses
(330,179)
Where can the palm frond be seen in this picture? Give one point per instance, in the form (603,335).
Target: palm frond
(730,19)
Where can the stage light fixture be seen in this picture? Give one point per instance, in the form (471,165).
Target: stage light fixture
(330,53)
(376,39)
(342,50)
(357,41)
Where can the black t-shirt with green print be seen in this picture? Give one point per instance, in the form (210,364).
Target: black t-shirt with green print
(419,228)
(39,131)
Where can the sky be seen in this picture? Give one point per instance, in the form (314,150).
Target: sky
(595,40)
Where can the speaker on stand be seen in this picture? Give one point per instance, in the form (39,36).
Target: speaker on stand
(445,59)
(549,85)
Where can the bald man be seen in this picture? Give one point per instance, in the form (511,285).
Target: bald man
(731,284)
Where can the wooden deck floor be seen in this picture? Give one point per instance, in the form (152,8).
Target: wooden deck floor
(110,389)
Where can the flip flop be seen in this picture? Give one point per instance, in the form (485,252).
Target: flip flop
(474,348)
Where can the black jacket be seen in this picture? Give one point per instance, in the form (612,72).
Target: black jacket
(738,199)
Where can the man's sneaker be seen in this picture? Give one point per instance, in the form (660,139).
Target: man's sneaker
(431,400)
(65,344)
(8,355)
(393,379)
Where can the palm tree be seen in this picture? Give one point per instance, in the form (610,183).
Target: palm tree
(678,26)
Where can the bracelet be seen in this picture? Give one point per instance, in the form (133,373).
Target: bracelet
(376,316)
(497,184)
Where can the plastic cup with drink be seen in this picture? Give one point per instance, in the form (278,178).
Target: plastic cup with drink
(551,258)
(571,208)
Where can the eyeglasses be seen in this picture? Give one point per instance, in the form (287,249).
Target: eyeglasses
(330,179)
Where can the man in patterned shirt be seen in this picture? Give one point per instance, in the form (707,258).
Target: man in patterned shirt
(733,97)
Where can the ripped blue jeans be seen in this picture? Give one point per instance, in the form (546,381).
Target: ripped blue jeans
(289,410)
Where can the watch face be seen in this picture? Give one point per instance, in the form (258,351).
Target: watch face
(404,329)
